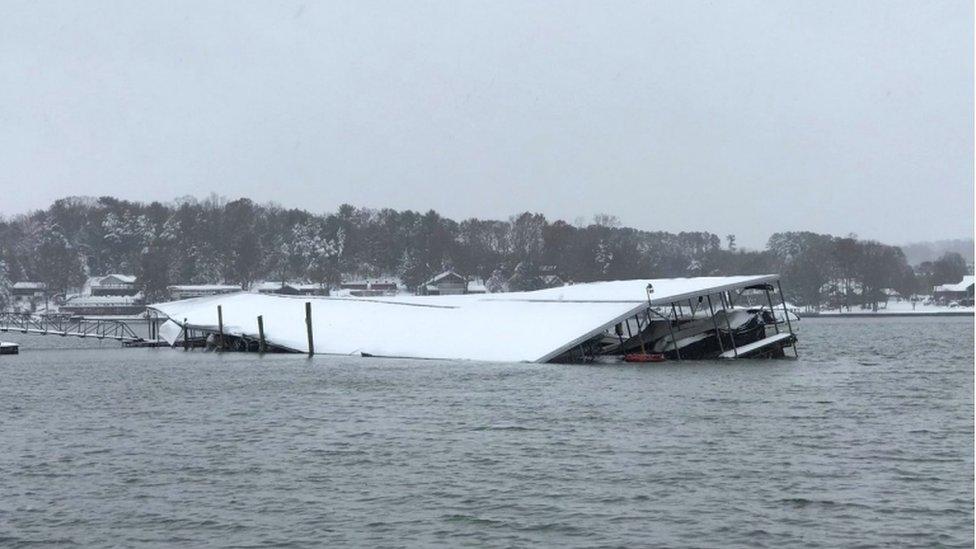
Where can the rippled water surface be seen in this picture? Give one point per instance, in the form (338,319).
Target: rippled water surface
(867,440)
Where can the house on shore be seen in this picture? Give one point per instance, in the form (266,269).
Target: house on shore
(961,292)
(105,305)
(115,285)
(187,291)
(446,283)
(108,295)
(549,276)
(291,288)
(370,288)
(27,295)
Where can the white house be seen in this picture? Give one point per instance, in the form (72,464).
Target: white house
(27,295)
(961,291)
(114,284)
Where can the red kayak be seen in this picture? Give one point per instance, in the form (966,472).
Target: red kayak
(644,357)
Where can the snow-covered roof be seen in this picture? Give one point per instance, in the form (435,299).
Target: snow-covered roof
(204,287)
(267,286)
(491,327)
(366,282)
(270,286)
(442,276)
(117,278)
(103,300)
(307,286)
(961,286)
(30,286)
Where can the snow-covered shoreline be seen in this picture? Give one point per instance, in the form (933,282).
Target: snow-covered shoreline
(894,309)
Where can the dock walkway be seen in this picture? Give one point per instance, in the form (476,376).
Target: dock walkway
(67,325)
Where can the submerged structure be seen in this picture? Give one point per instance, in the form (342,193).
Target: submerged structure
(680,318)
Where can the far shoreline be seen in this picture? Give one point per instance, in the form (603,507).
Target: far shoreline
(905,314)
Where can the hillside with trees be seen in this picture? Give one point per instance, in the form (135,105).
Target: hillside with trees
(215,240)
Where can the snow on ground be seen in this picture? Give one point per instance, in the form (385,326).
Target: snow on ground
(900,307)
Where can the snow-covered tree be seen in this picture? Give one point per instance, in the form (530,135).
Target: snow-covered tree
(5,298)
(58,263)
(497,282)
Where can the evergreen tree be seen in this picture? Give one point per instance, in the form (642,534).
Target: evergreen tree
(58,263)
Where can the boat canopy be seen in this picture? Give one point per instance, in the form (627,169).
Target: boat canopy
(532,326)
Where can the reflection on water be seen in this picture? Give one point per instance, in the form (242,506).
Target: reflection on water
(868,438)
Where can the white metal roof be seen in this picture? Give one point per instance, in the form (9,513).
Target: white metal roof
(514,327)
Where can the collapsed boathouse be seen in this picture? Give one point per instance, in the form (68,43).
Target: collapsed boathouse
(680,318)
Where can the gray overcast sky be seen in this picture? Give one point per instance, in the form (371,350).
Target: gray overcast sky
(729,116)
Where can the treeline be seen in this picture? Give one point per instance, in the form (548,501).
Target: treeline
(214,240)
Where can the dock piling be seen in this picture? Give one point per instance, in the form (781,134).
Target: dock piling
(220,328)
(308,327)
(261,344)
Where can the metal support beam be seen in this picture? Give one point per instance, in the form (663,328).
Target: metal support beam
(640,335)
(728,324)
(718,334)
(674,341)
(772,310)
(789,325)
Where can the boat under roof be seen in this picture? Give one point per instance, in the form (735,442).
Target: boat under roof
(536,326)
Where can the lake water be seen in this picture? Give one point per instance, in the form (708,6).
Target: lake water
(866,440)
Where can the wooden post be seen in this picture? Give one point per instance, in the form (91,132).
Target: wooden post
(308,327)
(262,347)
(186,337)
(220,328)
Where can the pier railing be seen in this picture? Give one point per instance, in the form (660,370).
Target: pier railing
(67,325)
